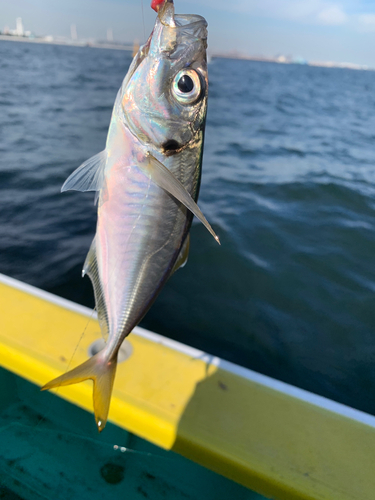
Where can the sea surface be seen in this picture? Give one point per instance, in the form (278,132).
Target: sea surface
(288,184)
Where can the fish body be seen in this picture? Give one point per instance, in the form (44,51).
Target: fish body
(147,182)
(141,230)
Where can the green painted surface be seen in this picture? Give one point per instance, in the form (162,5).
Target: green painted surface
(42,457)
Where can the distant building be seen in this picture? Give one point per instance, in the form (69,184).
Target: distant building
(299,60)
(19,27)
(281,59)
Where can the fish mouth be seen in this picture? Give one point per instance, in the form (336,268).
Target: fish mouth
(171,147)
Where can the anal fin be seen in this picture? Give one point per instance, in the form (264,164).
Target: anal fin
(90,268)
(183,255)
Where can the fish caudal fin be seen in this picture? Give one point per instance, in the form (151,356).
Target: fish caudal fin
(102,373)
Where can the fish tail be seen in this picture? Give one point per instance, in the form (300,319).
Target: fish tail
(102,373)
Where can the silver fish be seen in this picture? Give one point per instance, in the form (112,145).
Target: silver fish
(147,182)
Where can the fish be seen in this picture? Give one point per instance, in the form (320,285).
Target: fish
(147,182)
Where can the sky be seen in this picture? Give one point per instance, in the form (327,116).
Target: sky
(317,30)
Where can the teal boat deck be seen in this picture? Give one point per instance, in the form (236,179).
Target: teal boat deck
(173,407)
(43,457)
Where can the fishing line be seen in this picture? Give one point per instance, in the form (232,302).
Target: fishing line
(79,341)
(144,41)
(101,292)
(68,366)
(143,20)
(104,444)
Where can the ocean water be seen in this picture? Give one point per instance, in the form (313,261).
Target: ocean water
(288,184)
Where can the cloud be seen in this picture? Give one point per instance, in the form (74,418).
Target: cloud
(367,21)
(332,15)
(306,11)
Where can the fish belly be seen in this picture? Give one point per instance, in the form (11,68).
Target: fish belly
(140,232)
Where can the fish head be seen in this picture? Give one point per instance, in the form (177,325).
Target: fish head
(164,96)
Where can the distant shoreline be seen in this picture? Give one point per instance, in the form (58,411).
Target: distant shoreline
(283,60)
(130,48)
(67,43)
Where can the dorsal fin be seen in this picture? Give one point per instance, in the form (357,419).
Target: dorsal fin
(89,176)
(90,268)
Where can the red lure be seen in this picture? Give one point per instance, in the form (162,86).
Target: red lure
(156,4)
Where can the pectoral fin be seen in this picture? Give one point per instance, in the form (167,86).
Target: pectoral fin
(89,176)
(159,174)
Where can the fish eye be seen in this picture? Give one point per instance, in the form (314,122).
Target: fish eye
(187,86)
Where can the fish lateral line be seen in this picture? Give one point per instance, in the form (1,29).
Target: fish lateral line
(164,178)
